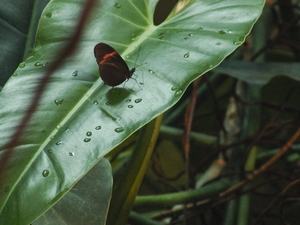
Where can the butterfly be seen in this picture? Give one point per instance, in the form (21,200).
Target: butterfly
(112,68)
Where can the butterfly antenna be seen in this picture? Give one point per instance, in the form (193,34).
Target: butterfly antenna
(137,56)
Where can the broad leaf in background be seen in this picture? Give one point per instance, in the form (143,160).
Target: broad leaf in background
(79,114)
(258,73)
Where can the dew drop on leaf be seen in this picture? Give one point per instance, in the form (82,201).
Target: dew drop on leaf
(87,140)
(89,133)
(178,93)
(45,173)
(130,106)
(98,127)
(151,71)
(186,55)
(71,153)
(138,100)
(48,14)
(75,73)
(119,129)
(38,64)
(59,101)
(22,65)
(237,42)
(117,5)
(59,142)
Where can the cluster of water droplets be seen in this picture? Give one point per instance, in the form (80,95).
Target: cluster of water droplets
(177,91)
(130,105)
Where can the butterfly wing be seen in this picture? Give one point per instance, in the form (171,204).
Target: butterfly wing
(113,69)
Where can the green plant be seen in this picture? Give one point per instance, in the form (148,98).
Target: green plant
(78,119)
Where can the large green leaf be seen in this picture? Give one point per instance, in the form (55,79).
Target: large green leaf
(86,203)
(79,119)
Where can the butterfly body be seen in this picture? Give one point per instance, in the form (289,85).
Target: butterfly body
(112,68)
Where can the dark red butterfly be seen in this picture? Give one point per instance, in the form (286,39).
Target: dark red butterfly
(113,69)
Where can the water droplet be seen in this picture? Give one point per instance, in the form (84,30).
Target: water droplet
(178,93)
(151,71)
(221,32)
(200,28)
(161,36)
(22,65)
(130,106)
(218,43)
(119,129)
(107,103)
(174,88)
(39,64)
(135,38)
(87,140)
(71,153)
(191,34)
(89,133)
(59,142)
(59,101)
(98,127)
(75,73)
(229,31)
(95,103)
(45,173)
(237,42)
(67,129)
(15,74)
(138,100)
(117,5)
(128,100)
(49,15)
(49,151)
(186,55)
(119,119)
(186,38)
